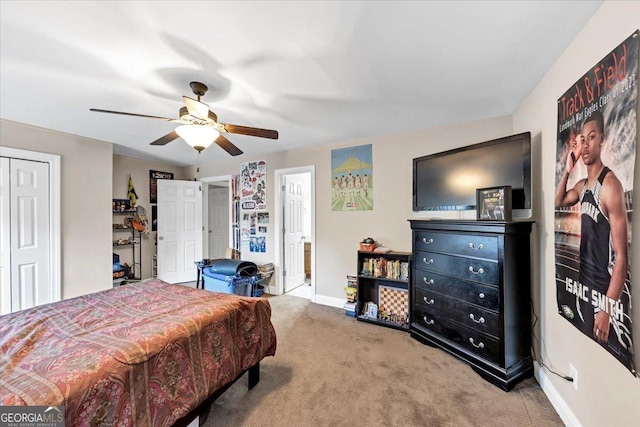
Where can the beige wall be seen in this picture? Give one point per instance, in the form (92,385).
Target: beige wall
(607,395)
(338,233)
(139,171)
(85,203)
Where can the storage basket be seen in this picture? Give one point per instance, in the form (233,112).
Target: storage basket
(367,247)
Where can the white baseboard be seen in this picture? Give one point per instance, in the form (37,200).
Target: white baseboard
(561,407)
(330,301)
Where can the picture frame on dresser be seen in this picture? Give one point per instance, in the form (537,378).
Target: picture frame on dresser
(493,203)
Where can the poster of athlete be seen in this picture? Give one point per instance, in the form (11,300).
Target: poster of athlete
(253,186)
(595,158)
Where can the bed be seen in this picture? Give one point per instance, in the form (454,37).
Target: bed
(145,354)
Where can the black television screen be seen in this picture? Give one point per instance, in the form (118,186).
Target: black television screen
(447,181)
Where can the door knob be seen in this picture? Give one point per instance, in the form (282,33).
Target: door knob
(161,238)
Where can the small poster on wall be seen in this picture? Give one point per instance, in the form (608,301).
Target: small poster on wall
(254,231)
(154,176)
(595,158)
(352,179)
(253,186)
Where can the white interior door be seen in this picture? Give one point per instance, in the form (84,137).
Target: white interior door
(26,275)
(293,232)
(218,221)
(5,241)
(179,230)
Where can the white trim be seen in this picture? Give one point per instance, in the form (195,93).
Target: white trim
(54,209)
(278,208)
(330,301)
(561,407)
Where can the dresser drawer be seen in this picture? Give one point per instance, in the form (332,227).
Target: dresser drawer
(457,244)
(478,270)
(475,293)
(472,316)
(484,346)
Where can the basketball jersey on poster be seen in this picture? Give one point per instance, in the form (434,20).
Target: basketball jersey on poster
(596,249)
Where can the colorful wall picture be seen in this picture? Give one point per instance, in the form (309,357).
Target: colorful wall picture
(154,176)
(595,158)
(253,186)
(253,231)
(352,179)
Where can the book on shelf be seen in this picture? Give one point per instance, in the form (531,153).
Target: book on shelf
(385,268)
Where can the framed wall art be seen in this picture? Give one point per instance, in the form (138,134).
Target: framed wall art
(493,203)
(154,176)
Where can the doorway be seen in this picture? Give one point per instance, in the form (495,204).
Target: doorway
(217,216)
(295,231)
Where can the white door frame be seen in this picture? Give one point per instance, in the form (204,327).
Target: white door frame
(54,210)
(278,224)
(205,210)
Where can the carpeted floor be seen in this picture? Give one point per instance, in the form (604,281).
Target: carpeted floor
(330,370)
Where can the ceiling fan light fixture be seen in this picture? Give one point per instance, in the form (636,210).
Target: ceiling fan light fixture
(198,136)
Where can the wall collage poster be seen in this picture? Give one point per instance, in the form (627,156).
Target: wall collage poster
(253,199)
(352,179)
(595,159)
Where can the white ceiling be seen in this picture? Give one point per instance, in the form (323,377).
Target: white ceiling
(318,72)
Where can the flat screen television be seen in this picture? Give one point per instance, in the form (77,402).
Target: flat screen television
(444,184)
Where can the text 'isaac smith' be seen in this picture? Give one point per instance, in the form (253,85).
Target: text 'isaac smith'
(598,299)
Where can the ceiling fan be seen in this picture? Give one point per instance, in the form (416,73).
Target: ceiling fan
(199,125)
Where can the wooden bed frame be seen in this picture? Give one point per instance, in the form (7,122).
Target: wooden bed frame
(203,410)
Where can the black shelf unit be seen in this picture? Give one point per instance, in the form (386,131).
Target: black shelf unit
(369,286)
(134,243)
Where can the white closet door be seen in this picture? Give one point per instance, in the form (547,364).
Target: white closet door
(5,241)
(29,200)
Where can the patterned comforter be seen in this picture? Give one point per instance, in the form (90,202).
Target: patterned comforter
(137,355)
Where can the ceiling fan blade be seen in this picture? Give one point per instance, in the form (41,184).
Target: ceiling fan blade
(227,146)
(130,114)
(196,108)
(245,130)
(165,139)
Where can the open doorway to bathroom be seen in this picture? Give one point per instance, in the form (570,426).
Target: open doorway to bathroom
(295,222)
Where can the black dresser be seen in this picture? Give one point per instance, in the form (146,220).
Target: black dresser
(471,292)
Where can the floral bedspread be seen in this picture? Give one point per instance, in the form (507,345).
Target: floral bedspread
(144,354)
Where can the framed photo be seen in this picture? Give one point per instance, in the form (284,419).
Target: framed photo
(372,310)
(154,176)
(493,203)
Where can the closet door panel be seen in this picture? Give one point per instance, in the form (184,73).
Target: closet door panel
(29,201)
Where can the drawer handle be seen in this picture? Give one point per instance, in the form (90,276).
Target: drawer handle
(427,261)
(427,242)
(481,294)
(428,282)
(479,345)
(480,270)
(474,247)
(480,320)
(430,301)
(427,321)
